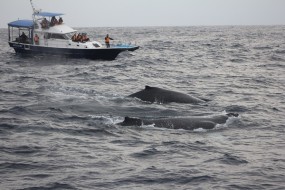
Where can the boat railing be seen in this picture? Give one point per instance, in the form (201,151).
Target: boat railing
(20,41)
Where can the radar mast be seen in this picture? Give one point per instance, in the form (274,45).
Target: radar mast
(33,7)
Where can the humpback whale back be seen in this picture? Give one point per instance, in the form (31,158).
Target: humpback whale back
(154,94)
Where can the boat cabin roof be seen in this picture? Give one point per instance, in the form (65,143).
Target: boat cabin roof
(60,29)
(47,14)
(57,29)
(22,24)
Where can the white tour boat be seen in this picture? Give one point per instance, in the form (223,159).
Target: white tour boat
(46,33)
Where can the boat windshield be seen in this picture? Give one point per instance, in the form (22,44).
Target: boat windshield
(69,35)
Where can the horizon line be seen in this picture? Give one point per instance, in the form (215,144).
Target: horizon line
(146,26)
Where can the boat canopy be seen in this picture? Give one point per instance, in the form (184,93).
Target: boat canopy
(22,24)
(48,14)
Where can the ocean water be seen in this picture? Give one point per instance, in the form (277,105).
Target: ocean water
(58,116)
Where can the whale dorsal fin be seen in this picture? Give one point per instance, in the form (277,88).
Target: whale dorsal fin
(132,121)
(127,118)
(148,87)
(232,114)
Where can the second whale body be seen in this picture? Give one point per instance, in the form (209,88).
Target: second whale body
(187,123)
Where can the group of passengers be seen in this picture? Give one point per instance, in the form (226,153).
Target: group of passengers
(46,24)
(81,37)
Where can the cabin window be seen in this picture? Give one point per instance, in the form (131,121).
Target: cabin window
(47,36)
(58,36)
(69,35)
(66,37)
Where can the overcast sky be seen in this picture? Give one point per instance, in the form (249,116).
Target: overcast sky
(98,13)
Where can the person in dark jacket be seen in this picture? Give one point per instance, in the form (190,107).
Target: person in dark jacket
(23,38)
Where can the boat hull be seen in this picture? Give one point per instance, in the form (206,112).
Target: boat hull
(98,53)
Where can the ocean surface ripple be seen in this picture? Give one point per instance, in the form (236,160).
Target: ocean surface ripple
(59,117)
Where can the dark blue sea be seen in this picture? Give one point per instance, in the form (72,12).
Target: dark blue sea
(59,116)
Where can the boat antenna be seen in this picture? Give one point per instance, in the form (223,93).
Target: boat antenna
(34,10)
(33,7)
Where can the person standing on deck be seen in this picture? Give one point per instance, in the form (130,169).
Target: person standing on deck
(107,41)
(36,39)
